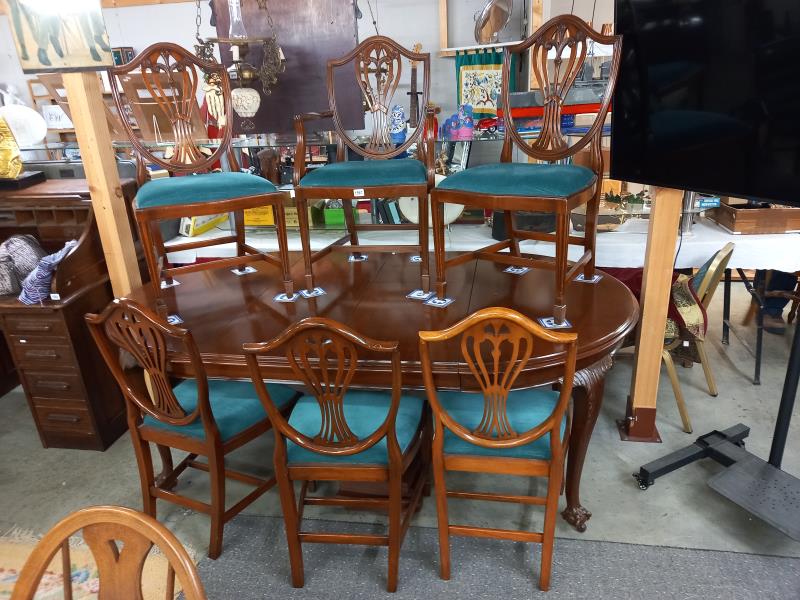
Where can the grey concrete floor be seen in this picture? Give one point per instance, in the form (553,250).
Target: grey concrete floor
(38,486)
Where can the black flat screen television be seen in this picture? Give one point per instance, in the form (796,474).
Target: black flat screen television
(708,97)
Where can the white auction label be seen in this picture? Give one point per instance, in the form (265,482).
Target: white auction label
(358,192)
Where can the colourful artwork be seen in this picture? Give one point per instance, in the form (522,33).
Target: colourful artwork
(459,126)
(397,124)
(480,81)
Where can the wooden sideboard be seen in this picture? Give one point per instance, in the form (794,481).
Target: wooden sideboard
(72,396)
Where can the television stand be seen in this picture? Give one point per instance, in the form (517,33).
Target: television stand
(758,486)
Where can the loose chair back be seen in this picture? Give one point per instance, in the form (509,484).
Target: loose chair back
(160,88)
(500,430)
(558,52)
(120,540)
(197,416)
(323,354)
(340,434)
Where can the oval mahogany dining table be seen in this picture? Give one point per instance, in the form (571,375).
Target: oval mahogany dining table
(224,310)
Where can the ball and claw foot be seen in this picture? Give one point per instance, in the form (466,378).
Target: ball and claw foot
(577,516)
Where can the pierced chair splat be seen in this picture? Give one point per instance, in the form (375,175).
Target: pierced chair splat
(558,51)
(159,89)
(377,64)
(500,430)
(199,416)
(338,434)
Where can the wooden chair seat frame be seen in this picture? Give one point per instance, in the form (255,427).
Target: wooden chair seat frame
(172,75)
(119,567)
(376,52)
(569,37)
(705,292)
(126,326)
(496,343)
(324,355)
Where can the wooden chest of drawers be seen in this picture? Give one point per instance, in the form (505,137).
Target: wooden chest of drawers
(73,398)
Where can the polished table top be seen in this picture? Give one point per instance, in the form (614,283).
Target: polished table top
(224,311)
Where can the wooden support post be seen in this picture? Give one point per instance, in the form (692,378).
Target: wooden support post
(86,105)
(640,421)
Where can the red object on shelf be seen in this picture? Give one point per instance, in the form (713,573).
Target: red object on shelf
(538,111)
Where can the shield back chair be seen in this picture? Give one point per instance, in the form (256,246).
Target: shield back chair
(558,51)
(161,84)
(338,434)
(500,430)
(377,65)
(120,540)
(203,417)
(704,283)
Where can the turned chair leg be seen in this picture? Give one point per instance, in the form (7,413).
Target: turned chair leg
(437,214)
(701,351)
(283,247)
(424,251)
(305,239)
(676,389)
(216,469)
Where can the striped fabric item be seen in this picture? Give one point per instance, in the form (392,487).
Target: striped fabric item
(36,286)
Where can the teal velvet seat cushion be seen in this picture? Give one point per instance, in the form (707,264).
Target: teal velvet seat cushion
(366,173)
(525,409)
(521,179)
(364,412)
(234,404)
(209,187)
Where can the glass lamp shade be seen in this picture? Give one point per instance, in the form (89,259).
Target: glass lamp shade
(237,30)
(246,102)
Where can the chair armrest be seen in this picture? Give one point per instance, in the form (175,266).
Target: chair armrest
(300,149)
(429,144)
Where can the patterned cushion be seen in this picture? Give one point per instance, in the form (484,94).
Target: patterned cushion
(25,253)
(365,173)
(36,286)
(172,191)
(521,179)
(364,412)
(525,409)
(234,404)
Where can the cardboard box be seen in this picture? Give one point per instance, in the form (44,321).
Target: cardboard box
(192,226)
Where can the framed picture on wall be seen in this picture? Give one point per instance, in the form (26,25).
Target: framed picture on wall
(59,36)
(122,55)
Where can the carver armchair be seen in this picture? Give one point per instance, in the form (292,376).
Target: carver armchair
(377,63)
(160,91)
(558,51)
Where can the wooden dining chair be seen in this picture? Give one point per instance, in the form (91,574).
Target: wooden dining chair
(201,416)
(558,50)
(339,434)
(172,77)
(120,540)
(378,66)
(500,430)
(704,283)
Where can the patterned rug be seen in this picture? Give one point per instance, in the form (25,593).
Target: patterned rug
(16,546)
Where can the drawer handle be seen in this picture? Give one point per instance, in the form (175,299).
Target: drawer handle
(34,327)
(63,418)
(42,354)
(53,385)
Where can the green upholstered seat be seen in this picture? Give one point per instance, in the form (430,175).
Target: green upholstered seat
(521,179)
(525,408)
(366,173)
(234,404)
(209,187)
(364,411)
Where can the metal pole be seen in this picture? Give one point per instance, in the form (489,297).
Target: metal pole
(787,403)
